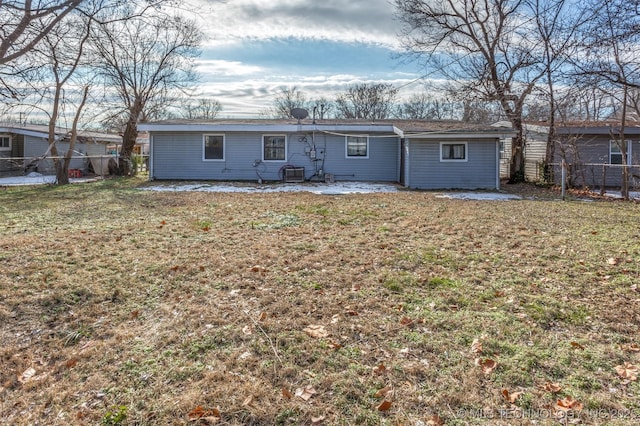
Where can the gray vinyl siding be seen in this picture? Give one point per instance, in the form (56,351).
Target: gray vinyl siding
(36,147)
(480,171)
(588,159)
(179,156)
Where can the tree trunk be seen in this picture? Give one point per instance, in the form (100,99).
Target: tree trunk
(129,141)
(516,170)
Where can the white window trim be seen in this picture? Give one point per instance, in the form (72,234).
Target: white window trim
(224,147)
(10,143)
(454,160)
(355,157)
(286,147)
(629,145)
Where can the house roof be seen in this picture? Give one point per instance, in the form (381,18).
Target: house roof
(42,131)
(402,128)
(597,128)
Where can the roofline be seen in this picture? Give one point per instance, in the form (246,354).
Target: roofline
(283,128)
(44,135)
(463,134)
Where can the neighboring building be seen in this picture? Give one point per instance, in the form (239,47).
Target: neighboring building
(26,147)
(424,155)
(535,149)
(593,154)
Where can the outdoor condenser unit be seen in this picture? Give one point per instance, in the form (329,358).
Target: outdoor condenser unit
(294,174)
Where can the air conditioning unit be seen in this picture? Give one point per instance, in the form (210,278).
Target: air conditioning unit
(294,174)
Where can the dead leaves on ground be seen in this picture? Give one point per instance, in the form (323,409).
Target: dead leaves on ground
(511,397)
(305,393)
(316,331)
(200,413)
(628,372)
(487,365)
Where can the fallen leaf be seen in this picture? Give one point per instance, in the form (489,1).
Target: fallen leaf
(71,363)
(259,269)
(135,314)
(334,345)
(305,393)
(499,293)
(511,397)
(488,365)
(247,330)
(552,387)
(385,406)
(577,345)
(613,261)
(380,369)
(352,313)
(27,375)
(263,316)
(476,346)
(382,392)
(200,412)
(406,321)
(286,393)
(317,420)
(568,403)
(316,331)
(435,420)
(630,348)
(627,371)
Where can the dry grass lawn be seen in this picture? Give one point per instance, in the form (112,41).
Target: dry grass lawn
(121,306)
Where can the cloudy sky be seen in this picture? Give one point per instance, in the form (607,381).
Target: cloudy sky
(253,48)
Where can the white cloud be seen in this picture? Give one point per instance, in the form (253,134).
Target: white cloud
(365,21)
(221,68)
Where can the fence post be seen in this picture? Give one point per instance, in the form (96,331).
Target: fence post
(564,179)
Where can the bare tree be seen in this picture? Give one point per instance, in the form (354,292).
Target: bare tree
(371,101)
(422,106)
(287,99)
(486,46)
(144,60)
(23,24)
(201,109)
(611,60)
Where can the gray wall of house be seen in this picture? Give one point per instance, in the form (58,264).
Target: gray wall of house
(36,147)
(587,158)
(426,171)
(180,156)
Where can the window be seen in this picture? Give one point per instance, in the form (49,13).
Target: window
(213,147)
(5,143)
(453,151)
(357,147)
(615,153)
(274,148)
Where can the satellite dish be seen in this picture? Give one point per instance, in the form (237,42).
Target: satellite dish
(299,113)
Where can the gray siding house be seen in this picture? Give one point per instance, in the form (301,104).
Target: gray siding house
(27,145)
(593,154)
(421,155)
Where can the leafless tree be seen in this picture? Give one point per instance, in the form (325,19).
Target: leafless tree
(286,100)
(23,24)
(201,109)
(371,101)
(145,60)
(422,106)
(611,60)
(486,46)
